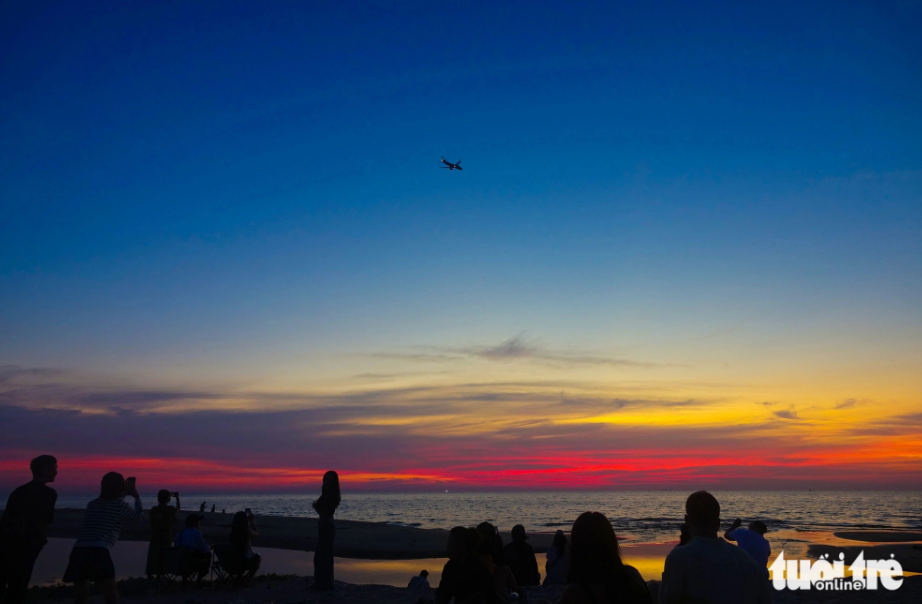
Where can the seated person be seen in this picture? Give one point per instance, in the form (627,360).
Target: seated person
(490,551)
(597,575)
(420,581)
(751,540)
(192,539)
(243,531)
(520,557)
(708,569)
(464,577)
(558,561)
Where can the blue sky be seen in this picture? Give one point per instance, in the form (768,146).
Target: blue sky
(194,192)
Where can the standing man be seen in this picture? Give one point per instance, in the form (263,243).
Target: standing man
(29,510)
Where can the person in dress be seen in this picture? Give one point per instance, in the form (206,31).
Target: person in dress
(162,520)
(326,531)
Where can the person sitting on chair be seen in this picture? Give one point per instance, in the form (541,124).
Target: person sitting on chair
(243,531)
(199,551)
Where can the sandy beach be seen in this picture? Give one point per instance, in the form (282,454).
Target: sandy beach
(375,553)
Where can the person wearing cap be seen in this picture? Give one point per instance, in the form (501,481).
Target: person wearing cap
(192,539)
(520,557)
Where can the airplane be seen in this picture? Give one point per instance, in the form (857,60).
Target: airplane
(450,165)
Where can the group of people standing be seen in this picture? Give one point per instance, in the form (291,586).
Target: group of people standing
(702,568)
(30,509)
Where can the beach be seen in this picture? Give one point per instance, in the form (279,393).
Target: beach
(376,559)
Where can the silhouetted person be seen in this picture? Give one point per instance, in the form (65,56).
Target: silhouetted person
(464,577)
(162,519)
(198,550)
(420,581)
(558,561)
(326,531)
(212,508)
(90,559)
(243,531)
(520,557)
(597,575)
(201,508)
(29,510)
(751,540)
(490,552)
(708,569)
(684,535)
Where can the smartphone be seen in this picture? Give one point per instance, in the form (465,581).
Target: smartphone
(249,513)
(130,480)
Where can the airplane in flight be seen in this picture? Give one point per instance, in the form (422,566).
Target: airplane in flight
(450,165)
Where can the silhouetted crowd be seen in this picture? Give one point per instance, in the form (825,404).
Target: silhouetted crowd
(480,569)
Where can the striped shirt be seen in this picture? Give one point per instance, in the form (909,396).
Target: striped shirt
(102,522)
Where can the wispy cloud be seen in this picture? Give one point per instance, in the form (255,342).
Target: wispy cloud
(517,348)
(787,414)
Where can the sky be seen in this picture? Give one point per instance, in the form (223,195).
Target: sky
(685,250)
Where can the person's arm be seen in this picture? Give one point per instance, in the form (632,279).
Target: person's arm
(251,528)
(671,588)
(178,505)
(533,564)
(198,543)
(736,524)
(129,513)
(446,588)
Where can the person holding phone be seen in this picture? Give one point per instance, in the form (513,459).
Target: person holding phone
(90,559)
(162,520)
(326,531)
(243,531)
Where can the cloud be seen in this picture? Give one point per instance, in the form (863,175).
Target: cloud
(786,414)
(846,404)
(518,347)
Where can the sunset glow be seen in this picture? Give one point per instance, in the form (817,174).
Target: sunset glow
(677,257)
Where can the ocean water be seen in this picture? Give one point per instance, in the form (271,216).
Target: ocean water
(638,516)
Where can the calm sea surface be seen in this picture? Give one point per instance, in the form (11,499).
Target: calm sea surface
(638,516)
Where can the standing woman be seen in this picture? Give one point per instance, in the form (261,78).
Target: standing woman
(326,532)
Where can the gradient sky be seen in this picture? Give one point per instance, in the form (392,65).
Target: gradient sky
(685,251)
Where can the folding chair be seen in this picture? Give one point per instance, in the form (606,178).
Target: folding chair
(227,565)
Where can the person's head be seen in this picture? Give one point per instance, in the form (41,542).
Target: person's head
(330,489)
(457,543)
(424,573)
(560,542)
(163,496)
(702,514)
(239,529)
(594,552)
(194,521)
(113,486)
(518,534)
(486,541)
(44,468)
(758,526)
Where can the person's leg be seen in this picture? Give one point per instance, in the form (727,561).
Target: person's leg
(109,590)
(17,569)
(81,591)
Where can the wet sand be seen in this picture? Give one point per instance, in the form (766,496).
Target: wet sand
(367,540)
(881,536)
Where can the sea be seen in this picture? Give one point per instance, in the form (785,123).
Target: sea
(637,516)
